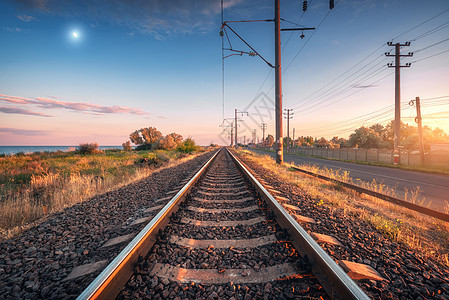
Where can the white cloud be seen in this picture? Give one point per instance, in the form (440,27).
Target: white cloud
(25,18)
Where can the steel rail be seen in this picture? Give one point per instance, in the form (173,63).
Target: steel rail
(394,200)
(110,282)
(334,280)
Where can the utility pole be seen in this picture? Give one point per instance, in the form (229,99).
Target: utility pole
(232,134)
(418,120)
(236,122)
(276,67)
(254,136)
(264,126)
(288,117)
(278,83)
(397,95)
(293,136)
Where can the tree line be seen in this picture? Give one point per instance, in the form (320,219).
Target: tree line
(376,136)
(150,138)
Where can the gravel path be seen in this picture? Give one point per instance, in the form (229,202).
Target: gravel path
(35,265)
(408,275)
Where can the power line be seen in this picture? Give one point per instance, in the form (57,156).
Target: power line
(339,92)
(432,31)
(341,75)
(437,43)
(439,53)
(375,73)
(396,37)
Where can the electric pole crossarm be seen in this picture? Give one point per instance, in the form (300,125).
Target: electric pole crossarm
(293,29)
(247,21)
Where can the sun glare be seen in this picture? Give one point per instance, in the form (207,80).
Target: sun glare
(75,34)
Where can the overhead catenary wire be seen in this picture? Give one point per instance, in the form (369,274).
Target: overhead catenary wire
(222,67)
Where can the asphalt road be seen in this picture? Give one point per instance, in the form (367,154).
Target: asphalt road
(434,189)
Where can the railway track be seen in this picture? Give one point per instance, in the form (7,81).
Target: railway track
(223,235)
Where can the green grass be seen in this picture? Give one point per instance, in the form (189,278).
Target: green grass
(35,185)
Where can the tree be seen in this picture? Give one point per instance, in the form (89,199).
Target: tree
(364,137)
(168,143)
(269,140)
(287,141)
(127,146)
(341,142)
(187,146)
(136,138)
(88,148)
(306,141)
(176,137)
(322,143)
(150,135)
(145,137)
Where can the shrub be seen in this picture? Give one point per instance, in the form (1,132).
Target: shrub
(88,148)
(127,146)
(188,146)
(150,159)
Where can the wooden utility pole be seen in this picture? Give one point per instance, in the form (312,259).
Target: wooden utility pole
(254,136)
(278,83)
(419,121)
(232,134)
(397,95)
(288,117)
(235,131)
(264,126)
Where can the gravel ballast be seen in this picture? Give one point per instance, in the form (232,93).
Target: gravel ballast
(407,274)
(35,264)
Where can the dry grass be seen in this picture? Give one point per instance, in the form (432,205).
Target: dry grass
(426,235)
(35,186)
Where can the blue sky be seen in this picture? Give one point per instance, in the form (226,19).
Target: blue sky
(158,63)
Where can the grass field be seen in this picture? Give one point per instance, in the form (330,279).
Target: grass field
(35,185)
(425,234)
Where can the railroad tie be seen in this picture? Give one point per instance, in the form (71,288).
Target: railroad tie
(223,210)
(224,201)
(223,223)
(215,276)
(219,244)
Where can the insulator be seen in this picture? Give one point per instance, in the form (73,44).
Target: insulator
(331,4)
(304,5)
